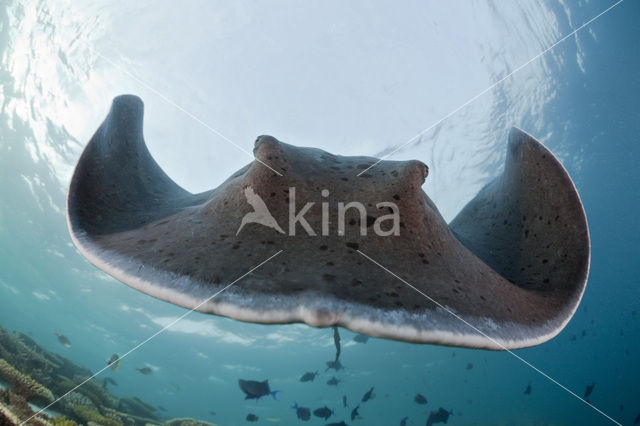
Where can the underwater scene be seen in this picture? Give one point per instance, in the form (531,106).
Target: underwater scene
(466,255)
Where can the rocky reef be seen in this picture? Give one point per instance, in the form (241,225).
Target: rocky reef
(33,376)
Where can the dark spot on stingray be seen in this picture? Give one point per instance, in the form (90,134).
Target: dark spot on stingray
(344,179)
(328,278)
(323,247)
(355,282)
(329,263)
(352,245)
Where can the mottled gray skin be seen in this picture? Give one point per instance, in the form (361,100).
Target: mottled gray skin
(513,264)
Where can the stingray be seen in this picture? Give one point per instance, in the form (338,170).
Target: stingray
(512,264)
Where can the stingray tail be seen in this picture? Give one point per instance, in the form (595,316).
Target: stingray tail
(274,393)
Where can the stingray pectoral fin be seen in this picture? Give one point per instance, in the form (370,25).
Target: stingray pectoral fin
(117,188)
(530,227)
(117,185)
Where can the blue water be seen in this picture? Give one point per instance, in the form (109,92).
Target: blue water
(351,78)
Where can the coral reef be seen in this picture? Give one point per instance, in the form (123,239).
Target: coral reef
(187,422)
(63,421)
(87,414)
(39,375)
(76,398)
(14,409)
(137,407)
(7,417)
(23,384)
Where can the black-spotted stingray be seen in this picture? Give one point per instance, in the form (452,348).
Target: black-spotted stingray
(513,264)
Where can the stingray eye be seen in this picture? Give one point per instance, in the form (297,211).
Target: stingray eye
(417,170)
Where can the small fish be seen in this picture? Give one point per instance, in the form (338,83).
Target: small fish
(403,422)
(114,362)
(252,417)
(440,416)
(308,376)
(344,401)
(145,370)
(573,338)
(256,390)
(213,413)
(336,365)
(63,340)
(302,413)
(333,381)
(527,391)
(323,413)
(369,395)
(469,366)
(420,399)
(174,386)
(361,338)
(588,390)
(354,413)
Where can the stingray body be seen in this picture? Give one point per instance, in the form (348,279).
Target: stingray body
(513,264)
